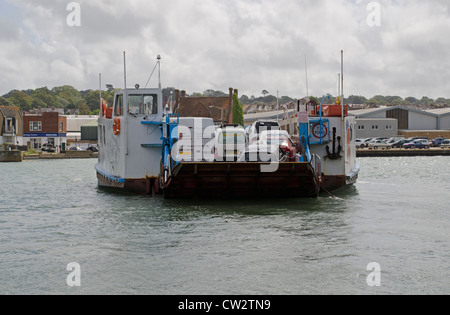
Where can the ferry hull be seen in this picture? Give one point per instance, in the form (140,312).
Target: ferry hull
(138,186)
(241,180)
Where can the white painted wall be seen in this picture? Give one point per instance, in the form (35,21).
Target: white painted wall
(445,122)
(418,121)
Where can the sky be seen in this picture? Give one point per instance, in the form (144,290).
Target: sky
(391,47)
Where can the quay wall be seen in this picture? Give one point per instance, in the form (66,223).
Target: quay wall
(11,156)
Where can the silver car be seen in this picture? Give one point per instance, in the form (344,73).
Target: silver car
(379,144)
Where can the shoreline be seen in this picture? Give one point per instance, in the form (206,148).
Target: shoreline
(402,152)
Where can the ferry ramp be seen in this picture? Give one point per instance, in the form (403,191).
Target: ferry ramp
(222,180)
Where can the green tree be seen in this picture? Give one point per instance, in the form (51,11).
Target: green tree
(21,100)
(4,102)
(70,94)
(238,113)
(45,98)
(83,108)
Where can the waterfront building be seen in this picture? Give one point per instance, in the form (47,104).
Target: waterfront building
(410,121)
(11,125)
(48,127)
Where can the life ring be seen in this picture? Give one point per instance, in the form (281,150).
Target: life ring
(116,126)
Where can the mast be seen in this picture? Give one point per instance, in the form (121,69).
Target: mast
(342,83)
(100,89)
(124,71)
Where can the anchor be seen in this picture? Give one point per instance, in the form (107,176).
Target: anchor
(334,155)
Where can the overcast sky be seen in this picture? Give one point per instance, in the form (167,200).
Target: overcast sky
(251,45)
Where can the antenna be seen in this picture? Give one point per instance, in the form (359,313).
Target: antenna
(124,71)
(306,71)
(159,70)
(100,89)
(158,64)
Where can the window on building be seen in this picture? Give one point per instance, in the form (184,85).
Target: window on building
(361,128)
(9,125)
(61,126)
(118,109)
(375,127)
(35,126)
(389,127)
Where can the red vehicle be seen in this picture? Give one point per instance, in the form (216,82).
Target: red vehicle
(288,149)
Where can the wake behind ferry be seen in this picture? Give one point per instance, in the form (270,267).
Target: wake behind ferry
(147,149)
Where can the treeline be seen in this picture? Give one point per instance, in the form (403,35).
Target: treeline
(65,97)
(377,100)
(87,102)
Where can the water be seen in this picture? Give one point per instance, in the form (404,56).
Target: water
(397,215)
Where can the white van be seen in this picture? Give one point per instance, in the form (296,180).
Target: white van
(229,144)
(261,125)
(195,139)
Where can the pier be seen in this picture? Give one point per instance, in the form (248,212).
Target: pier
(402,152)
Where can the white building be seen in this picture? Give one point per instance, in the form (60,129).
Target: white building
(409,119)
(74,123)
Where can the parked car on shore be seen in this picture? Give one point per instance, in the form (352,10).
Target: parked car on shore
(359,143)
(379,144)
(48,147)
(437,142)
(417,144)
(445,144)
(74,149)
(92,148)
(399,144)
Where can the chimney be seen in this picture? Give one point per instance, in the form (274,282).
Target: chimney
(177,100)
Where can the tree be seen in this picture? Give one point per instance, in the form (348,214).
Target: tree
(83,108)
(21,100)
(411,100)
(45,98)
(355,99)
(4,102)
(264,92)
(238,113)
(244,99)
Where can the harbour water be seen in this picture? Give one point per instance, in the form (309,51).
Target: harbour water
(397,215)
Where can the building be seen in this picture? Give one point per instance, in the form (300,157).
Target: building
(220,109)
(376,127)
(45,128)
(89,131)
(74,124)
(11,125)
(410,120)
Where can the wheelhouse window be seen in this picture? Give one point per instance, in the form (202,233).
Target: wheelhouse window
(142,104)
(118,106)
(35,126)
